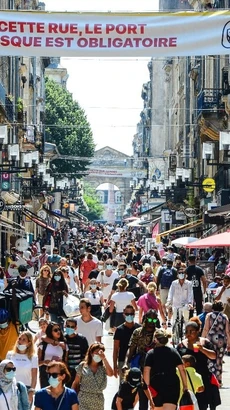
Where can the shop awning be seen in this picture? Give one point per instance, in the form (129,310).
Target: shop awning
(220,210)
(154,208)
(79,216)
(214,241)
(185,227)
(9,225)
(38,221)
(55,215)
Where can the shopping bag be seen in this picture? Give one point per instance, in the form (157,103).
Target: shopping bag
(186,402)
(71,306)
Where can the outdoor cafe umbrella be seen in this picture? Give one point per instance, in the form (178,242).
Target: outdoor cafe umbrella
(183,241)
(215,241)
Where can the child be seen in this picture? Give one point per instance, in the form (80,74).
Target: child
(43,323)
(194,379)
(127,395)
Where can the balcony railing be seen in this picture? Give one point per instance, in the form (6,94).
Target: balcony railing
(2,95)
(209,100)
(9,108)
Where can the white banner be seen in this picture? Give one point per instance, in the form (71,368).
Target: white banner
(114,34)
(109,173)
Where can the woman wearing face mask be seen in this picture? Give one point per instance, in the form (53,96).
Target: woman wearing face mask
(13,394)
(150,301)
(56,395)
(96,298)
(8,333)
(26,362)
(121,299)
(91,376)
(52,347)
(53,298)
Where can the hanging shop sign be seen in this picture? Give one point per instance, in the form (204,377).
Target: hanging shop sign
(209,184)
(128,34)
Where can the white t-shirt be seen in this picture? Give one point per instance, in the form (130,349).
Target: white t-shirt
(108,280)
(23,366)
(74,231)
(53,351)
(116,237)
(96,299)
(90,330)
(122,299)
(225,295)
(72,274)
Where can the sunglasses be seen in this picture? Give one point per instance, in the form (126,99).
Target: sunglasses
(54,375)
(9,369)
(57,329)
(70,327)
(151,320)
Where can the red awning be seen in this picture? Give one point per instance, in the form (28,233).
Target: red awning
(214,241)
(37,221)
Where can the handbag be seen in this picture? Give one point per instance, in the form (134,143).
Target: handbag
(105,315)
(135,361)
(71,306)
(186,402)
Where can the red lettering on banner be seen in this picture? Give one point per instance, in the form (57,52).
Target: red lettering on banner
(172,41)
(55,28)
(59,42)
(125,28)
(96,29)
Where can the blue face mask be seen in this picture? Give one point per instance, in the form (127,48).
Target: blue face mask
(53,382)
(3,325)
(93,286)
(109,267)
(129,318)
(121,272)
(10,375)
(69,331)
(57,278)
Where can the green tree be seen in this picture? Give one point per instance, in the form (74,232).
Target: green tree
(95,207)
(68,128)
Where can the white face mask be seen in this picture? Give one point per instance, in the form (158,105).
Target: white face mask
(181,275)
(21,347)
(3,325)
(96,358)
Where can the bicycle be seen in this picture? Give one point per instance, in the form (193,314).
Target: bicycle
(178,326)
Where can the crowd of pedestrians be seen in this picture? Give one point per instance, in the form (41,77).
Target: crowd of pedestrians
(133,293)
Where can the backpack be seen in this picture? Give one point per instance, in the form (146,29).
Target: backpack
(166,279)
(146,260)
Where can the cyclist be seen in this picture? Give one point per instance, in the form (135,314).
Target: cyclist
(180,296)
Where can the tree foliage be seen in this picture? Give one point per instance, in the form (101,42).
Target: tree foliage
(96,209)
(68,128)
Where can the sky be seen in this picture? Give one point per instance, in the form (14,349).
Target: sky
(109,90)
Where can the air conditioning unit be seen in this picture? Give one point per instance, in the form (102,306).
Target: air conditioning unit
(3,134)
(208,151)
(224,142)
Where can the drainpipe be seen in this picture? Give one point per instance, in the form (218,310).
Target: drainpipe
(34,62)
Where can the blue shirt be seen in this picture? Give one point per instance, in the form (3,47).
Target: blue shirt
(44,400)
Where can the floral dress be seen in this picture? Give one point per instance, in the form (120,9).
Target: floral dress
(218,338)
(92,384)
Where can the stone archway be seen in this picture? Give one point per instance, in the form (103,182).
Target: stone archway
(112,167)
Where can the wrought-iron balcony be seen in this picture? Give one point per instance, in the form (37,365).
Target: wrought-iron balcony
(2,95)
(209,101)
(9,108)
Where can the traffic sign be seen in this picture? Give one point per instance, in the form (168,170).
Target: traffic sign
(209,184)
(2,205)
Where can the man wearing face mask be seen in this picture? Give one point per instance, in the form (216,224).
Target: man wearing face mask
(106,278)
(77,345)
(21,282)
(8,334)
(180,296)
(121,340)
